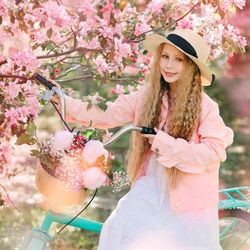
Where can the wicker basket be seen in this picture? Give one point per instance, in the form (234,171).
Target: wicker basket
(57,198)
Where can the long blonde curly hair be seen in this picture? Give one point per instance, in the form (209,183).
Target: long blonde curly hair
(186,110)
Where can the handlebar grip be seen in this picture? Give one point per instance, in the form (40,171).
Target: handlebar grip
(44,81)
(146,130)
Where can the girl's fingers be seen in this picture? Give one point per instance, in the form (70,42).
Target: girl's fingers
(156,129)
(55,83)
(55,100)
(149,137)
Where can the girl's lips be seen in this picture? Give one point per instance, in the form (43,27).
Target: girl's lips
(170,74)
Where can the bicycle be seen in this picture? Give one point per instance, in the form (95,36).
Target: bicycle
(231,207)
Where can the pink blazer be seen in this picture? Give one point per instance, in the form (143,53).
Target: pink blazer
(198,159)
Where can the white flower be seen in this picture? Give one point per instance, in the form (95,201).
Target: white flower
(94,149)
(63,140)
(93,178)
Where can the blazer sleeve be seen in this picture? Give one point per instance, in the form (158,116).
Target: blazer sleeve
(117,113)
(196,157)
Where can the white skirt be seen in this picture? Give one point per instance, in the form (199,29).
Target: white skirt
(143,220)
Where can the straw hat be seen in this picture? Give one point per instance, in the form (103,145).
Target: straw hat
(188,42)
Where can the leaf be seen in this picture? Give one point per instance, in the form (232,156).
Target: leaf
(2,117)
(88,133)
(49,32)
(145,52)
(102,106)
(172,28)
(12,18)
(98,82)
(45,159)
(14,130)
(31,128)
(25,139)
(89,106)
(140,46)
(35,153)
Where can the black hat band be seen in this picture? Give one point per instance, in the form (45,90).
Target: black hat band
(182,44)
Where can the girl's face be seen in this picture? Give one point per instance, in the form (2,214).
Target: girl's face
(171,63)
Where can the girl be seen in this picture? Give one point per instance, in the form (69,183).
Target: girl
(173,200)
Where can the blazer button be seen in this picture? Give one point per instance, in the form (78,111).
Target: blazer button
(157,150)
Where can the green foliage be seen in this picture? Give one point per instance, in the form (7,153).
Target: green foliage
(25,139)
(88,133)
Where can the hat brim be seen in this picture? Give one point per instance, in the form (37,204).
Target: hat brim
(153,42)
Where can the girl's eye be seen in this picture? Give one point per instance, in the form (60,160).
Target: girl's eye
(179,59)
(164,56)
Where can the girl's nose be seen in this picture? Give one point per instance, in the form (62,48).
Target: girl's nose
(169,63)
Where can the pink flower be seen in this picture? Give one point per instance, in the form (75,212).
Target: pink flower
(119,89)
(130,88)
(93,178)
(13,90)
(33,104)
(101,64)
(94,149)
(12,115)
(63,139)
(121,49)
(155,5)
(94,43)
(141,28)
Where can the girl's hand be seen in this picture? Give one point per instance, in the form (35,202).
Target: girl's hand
(150,137)
(55,99)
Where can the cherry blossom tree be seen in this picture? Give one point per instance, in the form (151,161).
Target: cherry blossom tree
(92,39)
(238,63)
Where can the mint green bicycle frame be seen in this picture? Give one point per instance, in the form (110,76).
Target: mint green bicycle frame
(41,235)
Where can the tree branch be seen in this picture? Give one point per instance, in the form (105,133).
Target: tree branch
(3,62)
(8,197)
(75,40)
(101,78)
(68,71)
(157,29)
(25,78)
(69,52)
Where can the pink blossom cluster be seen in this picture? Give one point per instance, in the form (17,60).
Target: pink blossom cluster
(120,89)
(25,58)
(227,4)
(99,36)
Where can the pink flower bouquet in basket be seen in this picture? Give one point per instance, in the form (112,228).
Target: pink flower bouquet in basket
(71,165)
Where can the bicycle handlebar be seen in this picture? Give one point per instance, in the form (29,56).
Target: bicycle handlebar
(44,81)
(49,93)
(53,89)
(142,130)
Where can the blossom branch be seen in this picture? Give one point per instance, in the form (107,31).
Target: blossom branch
(8,197)
(25,78)
(75,40)
(80,49)
(158,29)
(68,71)
(94,77)
(3,62)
